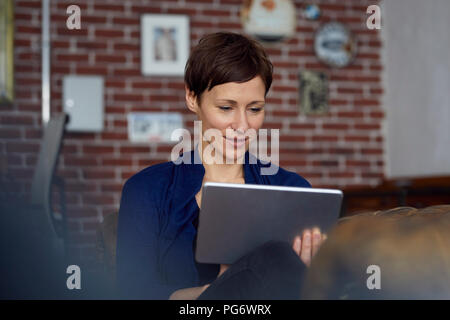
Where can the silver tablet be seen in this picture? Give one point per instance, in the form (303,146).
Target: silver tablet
(236,218)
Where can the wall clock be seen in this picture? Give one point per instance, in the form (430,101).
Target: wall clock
(334,45)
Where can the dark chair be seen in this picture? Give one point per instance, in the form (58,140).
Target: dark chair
(49,223)
(106,246)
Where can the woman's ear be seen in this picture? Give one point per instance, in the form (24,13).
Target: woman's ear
(191,100)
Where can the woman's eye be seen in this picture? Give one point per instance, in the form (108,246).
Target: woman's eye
(224,108)
(255,110)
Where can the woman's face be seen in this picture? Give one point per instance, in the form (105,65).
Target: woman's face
(235,106)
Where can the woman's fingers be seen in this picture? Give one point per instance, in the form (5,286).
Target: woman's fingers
(297,245)
(305,254)
(223,268)
(316,241)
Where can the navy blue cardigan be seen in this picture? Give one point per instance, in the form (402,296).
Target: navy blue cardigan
(157,226)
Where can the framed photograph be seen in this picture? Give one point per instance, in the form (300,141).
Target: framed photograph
(153,126)
(164,44)
(313,92)
(6,51)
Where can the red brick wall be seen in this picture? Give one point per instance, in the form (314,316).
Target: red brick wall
(339,149)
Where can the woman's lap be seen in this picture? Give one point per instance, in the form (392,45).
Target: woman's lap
(272,271)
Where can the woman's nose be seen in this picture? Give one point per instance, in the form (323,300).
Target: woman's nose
(240,122)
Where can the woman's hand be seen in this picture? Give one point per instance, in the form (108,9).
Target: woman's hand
(188,293)
(307,245)
(195,292)
(223,268)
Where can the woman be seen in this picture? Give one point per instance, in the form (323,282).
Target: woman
(227,78)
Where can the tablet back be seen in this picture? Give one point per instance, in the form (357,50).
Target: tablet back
(236,218)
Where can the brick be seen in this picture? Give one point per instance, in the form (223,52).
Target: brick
(272,125)
(116,136)
(126,21)
(341,150)
(82,238)
(110,58)
(285,89)
(357,138)
(292,138)
(285,163)
(229,25)
(318,138)
(187,11)
(335,126)
(342,175)
(350,90)
(33,134)
(150,162)
(68,173)
(308,126)
(284,113)
(126,72)
(367,151)
(300,53)
(21,173)
(93,174)
(107,33)
(28,29)
(111,187)
(120,123)
(363,103)
(158,97)
(64,4)
(376,91)
(350,114)
(81,211)
(356,163)
(325,163)
(145,9)
(369,175)
(16,120)
(80,161)
(91,44)
(72,57)
(94,70)
(71,186)
(135,149)
(6,133)
(128,97)
(147,85)
(98,199)
(366,126)
(83,32)
(17,146)
(120,84)
(109,7)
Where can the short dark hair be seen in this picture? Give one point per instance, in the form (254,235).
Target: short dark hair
(226,57)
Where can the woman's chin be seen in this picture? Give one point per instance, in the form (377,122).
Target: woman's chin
(233,157)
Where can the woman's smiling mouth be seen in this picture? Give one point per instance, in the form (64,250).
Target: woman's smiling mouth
(235,141)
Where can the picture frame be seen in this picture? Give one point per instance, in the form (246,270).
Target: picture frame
(148,127)
(313,89)
(6,51)
(165,41)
